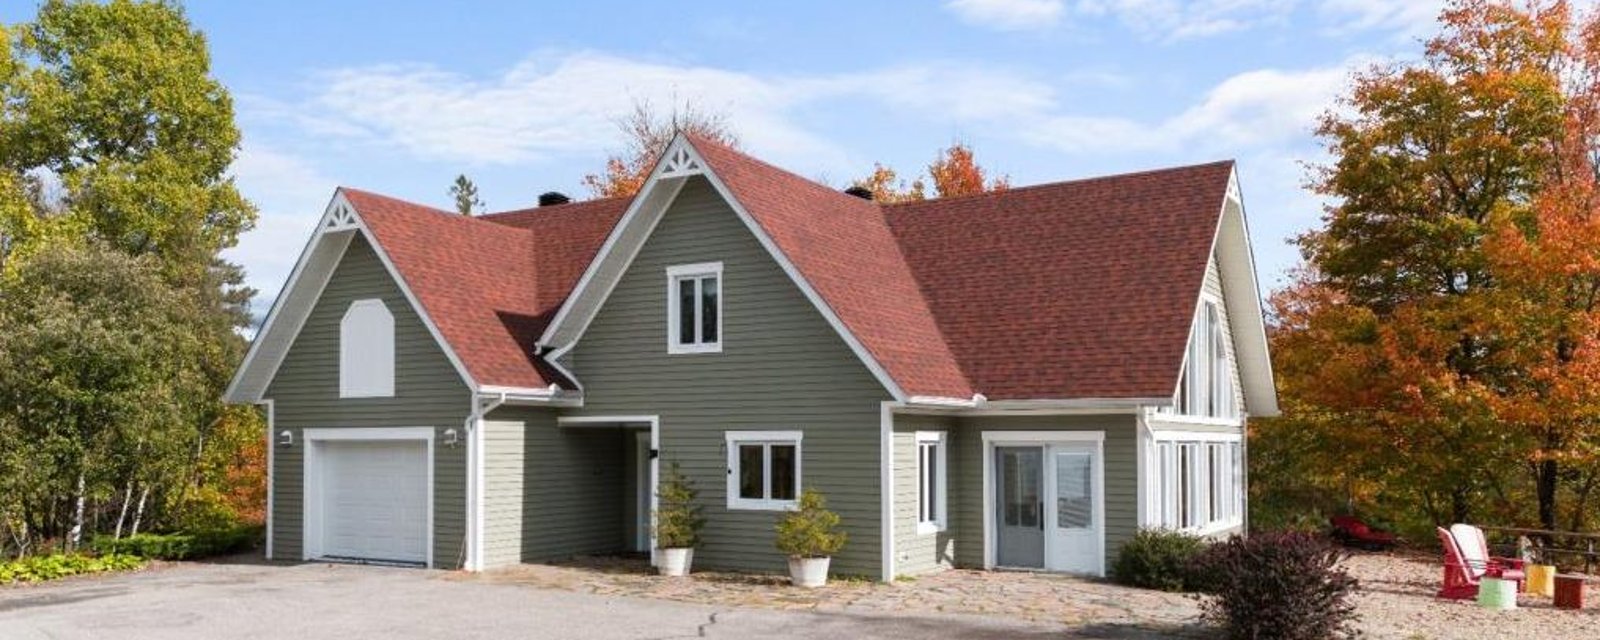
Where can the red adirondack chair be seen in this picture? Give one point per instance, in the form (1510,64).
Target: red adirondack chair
(1467,562)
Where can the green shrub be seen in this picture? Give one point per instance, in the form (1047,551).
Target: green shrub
(181,546)
(61,565)
(1158,559)
(812,531)
(1284,585)
(678,519)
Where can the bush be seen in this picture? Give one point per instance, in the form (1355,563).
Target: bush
(181,546)
(1284,585)
(812,531)
(61,565)
(1158,559)
(678,519)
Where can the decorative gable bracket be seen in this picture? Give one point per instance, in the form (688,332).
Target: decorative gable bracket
(681,163)
(340,217)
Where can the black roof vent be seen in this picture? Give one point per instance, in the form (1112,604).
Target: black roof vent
(553,198)
(860,192)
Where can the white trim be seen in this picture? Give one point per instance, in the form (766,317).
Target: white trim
(886,515)
(697,272)
(941,520)
(578,421)
(734,439)
(1201,473)
(680,143)
(272,471)
(991,439)
(1159,434)
(311,494)
(369,372)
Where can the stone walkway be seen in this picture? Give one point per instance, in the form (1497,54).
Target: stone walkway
(1108,610)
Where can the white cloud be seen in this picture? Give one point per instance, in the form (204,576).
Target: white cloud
(1409,20)
(290,195)
(1008,15)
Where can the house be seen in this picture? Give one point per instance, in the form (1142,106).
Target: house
(1013,379)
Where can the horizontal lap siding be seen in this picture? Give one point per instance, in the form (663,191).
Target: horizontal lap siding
(919,553)
(428,393)
(503,471)
(573,492)
(1121,476)
(782,367)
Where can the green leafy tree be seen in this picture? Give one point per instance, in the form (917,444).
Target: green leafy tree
(465,194)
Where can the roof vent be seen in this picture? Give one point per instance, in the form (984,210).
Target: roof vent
(553,198)
(860,192)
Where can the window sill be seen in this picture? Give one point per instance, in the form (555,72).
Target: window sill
(679,349)
(1213,527)
(929,528)
(1177,418)
(740,504)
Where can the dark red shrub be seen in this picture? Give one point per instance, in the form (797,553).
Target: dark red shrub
(1284,585)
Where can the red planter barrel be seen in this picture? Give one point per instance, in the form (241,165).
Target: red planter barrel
(1569,592)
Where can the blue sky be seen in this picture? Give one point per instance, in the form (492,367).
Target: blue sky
(400,96)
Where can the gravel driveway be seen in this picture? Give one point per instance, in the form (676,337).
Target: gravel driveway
(208,601)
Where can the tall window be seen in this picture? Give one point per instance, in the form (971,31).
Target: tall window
(763,469)
(694,308)
(1199,484)
(1207,389)
(366,350)
(931,474)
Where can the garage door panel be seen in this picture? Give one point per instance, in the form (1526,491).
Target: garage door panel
(374,499)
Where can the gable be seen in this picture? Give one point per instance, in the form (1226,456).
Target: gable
(774,341)
(310,371)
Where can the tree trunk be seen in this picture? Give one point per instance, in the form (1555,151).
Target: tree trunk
(1459,505)
(1547,493)
(75,534)
(138,514)
(1581,502)
(122,515)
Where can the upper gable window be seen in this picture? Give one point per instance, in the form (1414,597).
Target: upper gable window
(1207,389)
(366,351)
(694,308)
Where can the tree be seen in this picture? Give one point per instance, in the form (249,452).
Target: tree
(646,133)
(465,193)
(954,172)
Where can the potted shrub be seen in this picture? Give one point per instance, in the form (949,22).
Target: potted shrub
(678,522)
(810,535)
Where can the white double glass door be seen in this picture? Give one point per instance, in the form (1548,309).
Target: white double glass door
(1047,506)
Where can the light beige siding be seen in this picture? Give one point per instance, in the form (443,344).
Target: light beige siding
(503,470)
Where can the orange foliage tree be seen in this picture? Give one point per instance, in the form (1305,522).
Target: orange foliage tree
(646,133)
(953,173)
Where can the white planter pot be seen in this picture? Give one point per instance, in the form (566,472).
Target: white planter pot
(674,561)
(808,572)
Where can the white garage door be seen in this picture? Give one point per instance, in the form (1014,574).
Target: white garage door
(374,499)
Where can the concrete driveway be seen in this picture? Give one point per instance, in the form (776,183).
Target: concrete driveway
(209,601)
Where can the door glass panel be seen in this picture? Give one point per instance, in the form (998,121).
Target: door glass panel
(1025,493)
(783,472)
(1074,490)
(750,473)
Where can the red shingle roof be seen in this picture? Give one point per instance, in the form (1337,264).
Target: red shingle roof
(1080,289)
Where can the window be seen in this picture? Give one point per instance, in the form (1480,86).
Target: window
(366,351)
(931,473)
(694,308)
(763,469)
(1207,389)
(1199,483)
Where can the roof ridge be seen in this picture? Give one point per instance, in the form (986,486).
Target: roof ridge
(1061,183)
(550,208)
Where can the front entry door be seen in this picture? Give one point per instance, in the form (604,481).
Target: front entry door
(1074,533)
(1019,507)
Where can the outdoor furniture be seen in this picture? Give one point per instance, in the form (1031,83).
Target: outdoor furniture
(1541,580)
(1352,532)
(1495,593)
(1569,591)
(1467,562)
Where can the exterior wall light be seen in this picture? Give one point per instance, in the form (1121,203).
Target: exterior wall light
(451,438)
(285,438)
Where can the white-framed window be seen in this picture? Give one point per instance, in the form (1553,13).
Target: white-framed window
(694,308)
(366,350)
(1207,389)
(763,469)
(1199,482)
(932,454)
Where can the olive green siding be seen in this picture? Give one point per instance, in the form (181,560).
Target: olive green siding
(966,479)
(504,468)
(573,490)
(919,553)
(428,393)
(782,367)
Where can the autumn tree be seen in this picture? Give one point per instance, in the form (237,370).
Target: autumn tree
(465,195)
(954,172)
(646,133)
